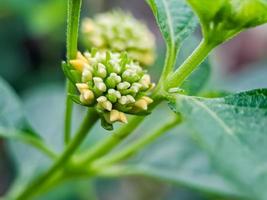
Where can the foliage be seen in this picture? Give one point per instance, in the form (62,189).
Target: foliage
(213,145)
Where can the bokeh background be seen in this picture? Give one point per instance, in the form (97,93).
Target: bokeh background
(32,45)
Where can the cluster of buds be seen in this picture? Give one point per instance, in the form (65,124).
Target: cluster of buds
(119,31)
(112,83)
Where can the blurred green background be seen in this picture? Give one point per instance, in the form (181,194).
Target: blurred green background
(32,45)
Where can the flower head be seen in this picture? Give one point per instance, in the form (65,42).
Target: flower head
(119,31)
(110,82)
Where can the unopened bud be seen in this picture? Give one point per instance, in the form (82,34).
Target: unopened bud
(142,104)
(130,99)
(87,97)
(99,84)
(123,86)
(123,100)
(115,66)
(113,80)
(147,99)
(145,81)
(86,75)
(123,118)
(114,115)
(81,57)
(82,86)
(130,76)
(135,87)
(78,64)
(104,103)
(101,71)
(113,95)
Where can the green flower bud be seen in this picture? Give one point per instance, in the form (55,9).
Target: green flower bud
(113,80)
(120,31)
(113,91)
(223,19)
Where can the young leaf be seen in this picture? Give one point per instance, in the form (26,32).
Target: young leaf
(233,132)
(223,19)
(176,159)
(175,19)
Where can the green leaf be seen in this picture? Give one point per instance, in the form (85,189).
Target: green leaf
(12,115)
(44,107)
(174,158)
(233,132)
(175,19)
(223,19)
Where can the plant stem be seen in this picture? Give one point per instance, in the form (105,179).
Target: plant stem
(110,142)
(74,8)
(190,64)
(136,146)
(73,16)
(170,60)
(86,125)
(68,114)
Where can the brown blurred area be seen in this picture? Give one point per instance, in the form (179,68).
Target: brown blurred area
(248,47)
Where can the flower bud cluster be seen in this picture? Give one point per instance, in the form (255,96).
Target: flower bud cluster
(112,83)
(119,31)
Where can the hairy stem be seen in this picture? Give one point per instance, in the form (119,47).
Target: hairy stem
(68,114)
(62,160)
(170,60)
(136,146)
(190,64)
(74,7)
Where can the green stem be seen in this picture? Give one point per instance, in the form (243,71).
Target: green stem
(62,160)
(190,64)
(136,146)
(170,60)
(74,7)
(117,137)
(110,142)
(68,113)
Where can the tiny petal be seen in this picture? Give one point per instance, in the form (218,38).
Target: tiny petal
(81,57)
(87,75)
(101,99)
(107,105)
(123,100)
(78,64)
(142,104)
(123,118)
(123,86)
(87,97)
(82,86)
(130,99)
(101,70)
(114,115)
(147,99)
